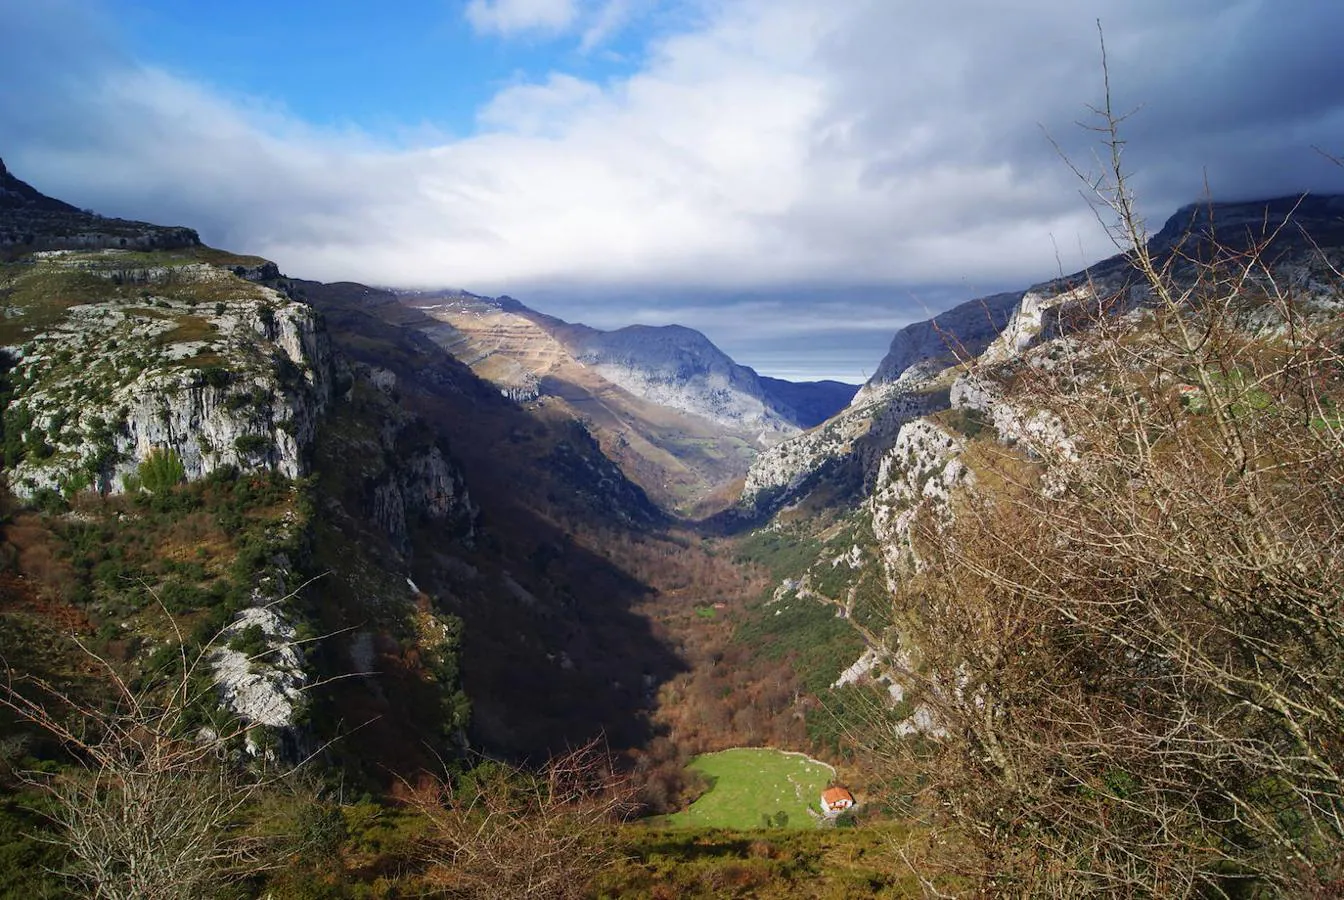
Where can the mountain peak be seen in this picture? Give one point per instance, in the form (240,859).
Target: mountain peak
(16,194)
(1232,222)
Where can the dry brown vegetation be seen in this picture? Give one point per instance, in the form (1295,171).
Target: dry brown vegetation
(502,832)
(1133,628)
(150,811)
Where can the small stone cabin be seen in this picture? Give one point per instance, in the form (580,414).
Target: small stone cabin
(835,800)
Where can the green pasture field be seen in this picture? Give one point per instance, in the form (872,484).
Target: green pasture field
(757,788)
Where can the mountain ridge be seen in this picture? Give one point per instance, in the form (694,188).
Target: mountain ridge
(681,417)
(914,377)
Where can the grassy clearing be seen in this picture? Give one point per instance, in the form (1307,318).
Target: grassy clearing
(756,788)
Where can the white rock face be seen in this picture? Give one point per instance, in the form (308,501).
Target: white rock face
(919,472)
(266,688)
(865,664)
(1035,429)
(244,386)
(900,390)
(786,466)
(680,368)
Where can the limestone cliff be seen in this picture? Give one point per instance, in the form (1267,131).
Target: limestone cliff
(113,360)
(1300,239)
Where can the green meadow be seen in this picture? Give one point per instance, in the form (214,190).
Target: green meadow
(756,788)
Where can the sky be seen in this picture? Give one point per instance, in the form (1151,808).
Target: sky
(796,178)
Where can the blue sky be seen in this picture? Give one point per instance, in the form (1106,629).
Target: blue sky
(404,70)
(796,178)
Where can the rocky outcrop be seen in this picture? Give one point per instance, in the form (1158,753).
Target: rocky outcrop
(1037,332)
(423,484)
(394,467)
(259,674)
(860,434)
(30,220)
(917,474)
(240,379)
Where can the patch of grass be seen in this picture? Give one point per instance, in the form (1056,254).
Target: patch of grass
(226,259)
(965,421)
(835,863)
(147,312)
(756,788)
(783,553)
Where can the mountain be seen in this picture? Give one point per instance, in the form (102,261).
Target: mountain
(916,376)
(925,348)
(1079,544)
(679,368)
(812,402)
(19,195)
(193,440)
(680,416)
(30,220)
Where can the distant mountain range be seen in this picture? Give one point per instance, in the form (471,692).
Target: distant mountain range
(674,410)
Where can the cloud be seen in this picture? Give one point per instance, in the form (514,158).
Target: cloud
(793,147)
(510,17)
(609,18)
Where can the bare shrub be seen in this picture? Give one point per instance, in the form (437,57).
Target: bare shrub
(150,811)
(505,832)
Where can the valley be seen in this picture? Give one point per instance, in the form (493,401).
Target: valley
(681,419)
(436,583)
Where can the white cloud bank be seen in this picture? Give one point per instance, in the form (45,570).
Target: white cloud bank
(771,143)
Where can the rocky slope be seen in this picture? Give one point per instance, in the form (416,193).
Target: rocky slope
(680,417)
(915,378)
(115,356)
(930,418)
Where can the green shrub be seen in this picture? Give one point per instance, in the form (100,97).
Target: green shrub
(161,470)
(251,641)
(237,401)
(216,376)
(252,444)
